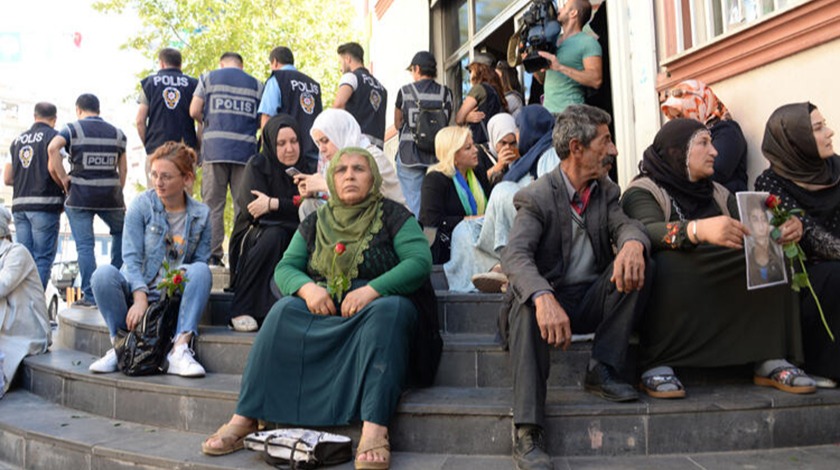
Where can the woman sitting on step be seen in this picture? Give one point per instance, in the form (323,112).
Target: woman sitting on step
(267,221)
(162,224)
(700,313)
(361,340)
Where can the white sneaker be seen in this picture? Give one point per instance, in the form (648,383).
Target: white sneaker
(182,362)
(105,364)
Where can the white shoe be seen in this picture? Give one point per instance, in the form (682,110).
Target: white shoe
(182,362)
(105,364)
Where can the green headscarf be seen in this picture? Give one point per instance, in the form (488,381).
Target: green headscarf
(352,225)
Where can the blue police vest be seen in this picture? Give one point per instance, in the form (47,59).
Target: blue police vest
(490,107)
(169,93)
(300,97)
(231,99)
(368,104)
(95,148)
(34,189)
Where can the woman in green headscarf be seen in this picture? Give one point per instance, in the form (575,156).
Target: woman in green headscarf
(388,316)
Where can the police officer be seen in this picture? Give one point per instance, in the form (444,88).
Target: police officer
(225,102)
(37,200)
(94,186)
(292,92)
(164,111)
(361,94)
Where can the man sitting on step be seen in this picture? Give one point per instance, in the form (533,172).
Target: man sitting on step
(565,279)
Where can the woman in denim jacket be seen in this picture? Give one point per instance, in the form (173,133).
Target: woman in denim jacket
(162,224)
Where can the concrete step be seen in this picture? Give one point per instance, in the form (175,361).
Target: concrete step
(474,421)
(468,360)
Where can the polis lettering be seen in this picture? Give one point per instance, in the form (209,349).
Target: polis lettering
(171,80)
(229,104)
(370,81)
(304,87)
(31,138)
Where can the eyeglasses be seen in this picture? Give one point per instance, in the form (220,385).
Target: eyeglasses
(165,177)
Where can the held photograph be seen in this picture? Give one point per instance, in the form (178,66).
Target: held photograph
(765,259)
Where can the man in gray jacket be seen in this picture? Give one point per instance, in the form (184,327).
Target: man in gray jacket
(564,277)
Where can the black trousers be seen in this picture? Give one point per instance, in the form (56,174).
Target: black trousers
(592,308)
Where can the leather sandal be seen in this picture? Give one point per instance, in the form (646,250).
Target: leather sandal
(380,446)
(651,384)
(244,323)
(232,437)
(783,379)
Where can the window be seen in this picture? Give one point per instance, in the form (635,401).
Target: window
(694,23)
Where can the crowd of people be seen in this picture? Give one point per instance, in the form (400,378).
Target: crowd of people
(333,244)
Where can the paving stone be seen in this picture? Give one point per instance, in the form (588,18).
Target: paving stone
(149,408)
(591,435)
(49,456)
(626,463)
(205,415)
(45,385)
(709,431)
(457,369)
(12,448)
(821,422)
(90,397)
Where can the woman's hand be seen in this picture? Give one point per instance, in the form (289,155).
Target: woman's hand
(317,299)
(259,206)
(357,299)
(475,116)
(505,158)
(791,231)
(721,231)
(137,310)
(309,185)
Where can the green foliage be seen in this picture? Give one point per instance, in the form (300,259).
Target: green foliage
(204,29)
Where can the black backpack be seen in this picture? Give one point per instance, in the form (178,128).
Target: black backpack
(430,120)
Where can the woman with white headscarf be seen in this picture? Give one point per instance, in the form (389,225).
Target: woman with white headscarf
(333,130)
(502,148)
(24,325)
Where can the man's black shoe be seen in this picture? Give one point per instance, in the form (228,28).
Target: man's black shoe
(603,381)
(529,449)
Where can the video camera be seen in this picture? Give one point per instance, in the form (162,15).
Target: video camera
(539,32)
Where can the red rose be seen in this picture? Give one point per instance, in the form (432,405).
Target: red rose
(340,248)
(177,279)
(772,201)
(296,201)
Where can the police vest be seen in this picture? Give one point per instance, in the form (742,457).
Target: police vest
(491,106)
(34,189)
(231,99)
(300,97)
(368,104)
(169,93)
(95,148)
(431,95)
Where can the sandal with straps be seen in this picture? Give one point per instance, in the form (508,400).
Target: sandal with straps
(651,384)
(783,379)
(381,446)
(232,437)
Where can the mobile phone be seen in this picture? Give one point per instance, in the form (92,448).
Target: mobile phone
(292,171)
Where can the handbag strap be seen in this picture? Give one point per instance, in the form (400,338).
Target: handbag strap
(292,461)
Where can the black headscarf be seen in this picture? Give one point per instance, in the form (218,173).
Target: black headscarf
(790,147)
(665,162)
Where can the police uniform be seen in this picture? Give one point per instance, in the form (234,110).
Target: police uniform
(37,200)
(367,104)
(231,99)
(300,97)
(168,94)
(95,148)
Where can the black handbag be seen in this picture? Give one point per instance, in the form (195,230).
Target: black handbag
(298,448)
(142,351)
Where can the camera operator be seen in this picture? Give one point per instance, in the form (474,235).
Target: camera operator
(577,63)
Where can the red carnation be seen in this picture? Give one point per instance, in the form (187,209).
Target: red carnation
(296,201)
(177,279)
(772,201)
(340,248)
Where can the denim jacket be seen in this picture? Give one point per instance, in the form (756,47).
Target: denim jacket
(144,238)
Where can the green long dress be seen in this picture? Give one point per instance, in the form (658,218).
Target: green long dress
(314,370)
(700,313)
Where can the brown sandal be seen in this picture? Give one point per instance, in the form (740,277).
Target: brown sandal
(382,448)
(232,437)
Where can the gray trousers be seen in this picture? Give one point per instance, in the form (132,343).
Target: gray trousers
(215,180)
(592,308)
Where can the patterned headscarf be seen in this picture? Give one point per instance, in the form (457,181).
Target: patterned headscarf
(692,99)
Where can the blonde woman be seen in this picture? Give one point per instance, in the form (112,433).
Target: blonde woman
(451,190)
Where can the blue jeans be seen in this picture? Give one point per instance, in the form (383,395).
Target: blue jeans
(38,232)
(81,225)
(114,297)
(411,181)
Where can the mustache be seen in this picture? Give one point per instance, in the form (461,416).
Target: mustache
(608,160)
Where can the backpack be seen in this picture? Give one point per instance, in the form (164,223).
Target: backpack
(430,120)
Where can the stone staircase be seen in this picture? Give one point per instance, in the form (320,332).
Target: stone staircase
(62,416)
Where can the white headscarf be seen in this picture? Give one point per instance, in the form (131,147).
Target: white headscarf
(341,128)
(498,127)
(5,220)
